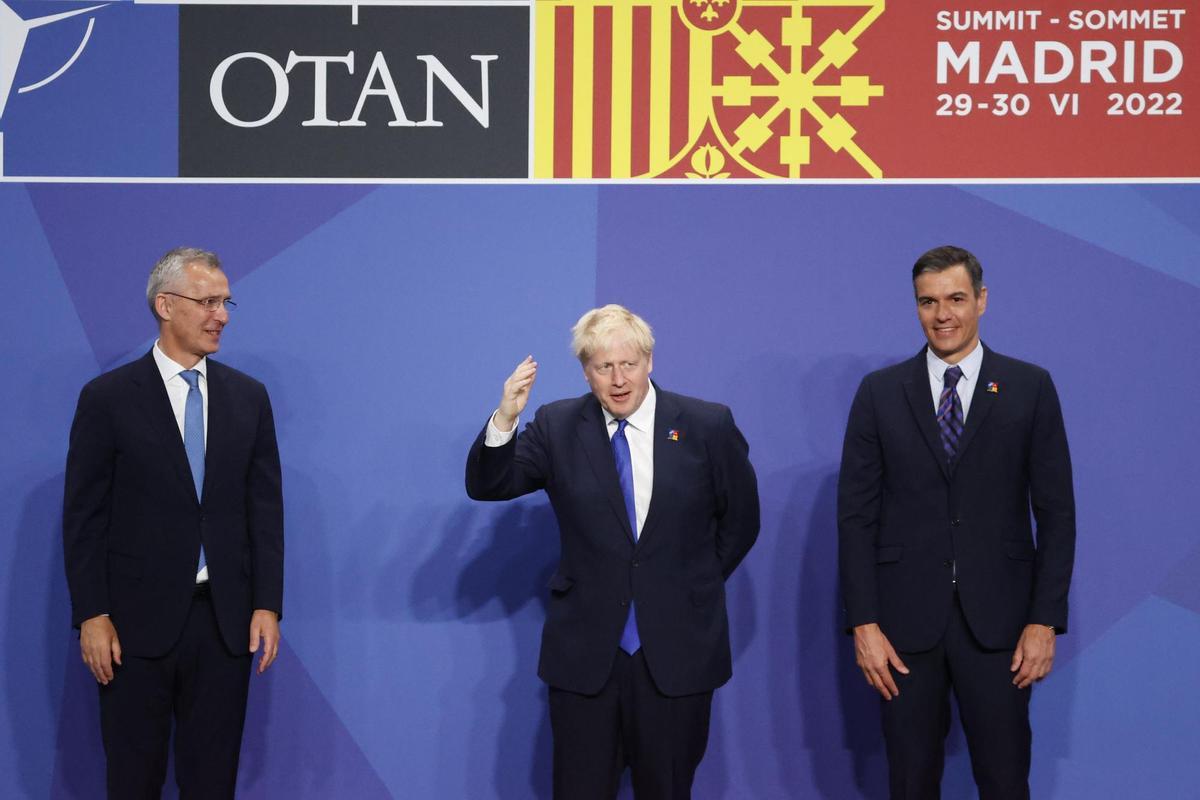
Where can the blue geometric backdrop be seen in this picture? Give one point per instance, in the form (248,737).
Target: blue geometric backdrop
(383,321)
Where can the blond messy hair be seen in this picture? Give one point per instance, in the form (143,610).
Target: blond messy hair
(608,325)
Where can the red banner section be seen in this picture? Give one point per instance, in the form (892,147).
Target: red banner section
(1060,90)
(864,88)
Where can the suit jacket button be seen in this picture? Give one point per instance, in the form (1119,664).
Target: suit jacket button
(954,523)
(624,603)
(635,563)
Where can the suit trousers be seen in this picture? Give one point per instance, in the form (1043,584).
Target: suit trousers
(629,723)
(201,685)
(994,715)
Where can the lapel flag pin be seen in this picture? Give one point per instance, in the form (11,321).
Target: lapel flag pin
(673,435)
(993,387)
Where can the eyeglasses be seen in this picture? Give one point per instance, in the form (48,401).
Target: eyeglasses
(210,303)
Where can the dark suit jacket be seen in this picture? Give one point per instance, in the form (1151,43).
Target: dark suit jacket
(703,519)
(132,525)
(906,520)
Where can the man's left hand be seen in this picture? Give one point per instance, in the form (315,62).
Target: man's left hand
(1034,655)
(264,630)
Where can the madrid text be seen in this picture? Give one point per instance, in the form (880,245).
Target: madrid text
(1142,67)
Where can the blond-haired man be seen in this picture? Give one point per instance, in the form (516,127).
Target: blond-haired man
(657,504)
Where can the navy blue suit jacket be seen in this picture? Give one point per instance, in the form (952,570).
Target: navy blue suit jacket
(908,521)
(703,519)
(133,526)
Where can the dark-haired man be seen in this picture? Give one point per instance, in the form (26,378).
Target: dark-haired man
(946,589)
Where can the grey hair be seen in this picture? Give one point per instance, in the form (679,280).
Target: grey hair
(168,272)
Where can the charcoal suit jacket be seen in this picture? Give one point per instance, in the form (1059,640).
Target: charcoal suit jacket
(913,528)
(133,525)
(702,520)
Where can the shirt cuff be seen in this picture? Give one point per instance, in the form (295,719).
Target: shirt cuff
(496,437)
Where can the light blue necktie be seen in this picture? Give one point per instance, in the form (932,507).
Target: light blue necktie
(630,641)
(193,437)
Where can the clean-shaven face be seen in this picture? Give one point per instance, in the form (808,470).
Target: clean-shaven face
(949,311)
(191,330)
(620,377)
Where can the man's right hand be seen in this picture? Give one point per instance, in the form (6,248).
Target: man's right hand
(875,656)
(515,395)
(100,646)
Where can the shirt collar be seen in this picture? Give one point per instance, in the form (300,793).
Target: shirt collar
(643,418)
(168,368)
(970,365)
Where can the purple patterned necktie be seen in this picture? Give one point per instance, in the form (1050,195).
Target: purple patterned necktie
(950,413)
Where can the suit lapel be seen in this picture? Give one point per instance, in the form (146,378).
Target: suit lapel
(920,402)
(156,409)
(593,436)
(981,403)
(666,455)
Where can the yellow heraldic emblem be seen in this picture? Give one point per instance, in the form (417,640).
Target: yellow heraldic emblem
(699,88)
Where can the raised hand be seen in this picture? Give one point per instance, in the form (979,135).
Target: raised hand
(515,394)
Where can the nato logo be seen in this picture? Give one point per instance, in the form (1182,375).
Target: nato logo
(14,30)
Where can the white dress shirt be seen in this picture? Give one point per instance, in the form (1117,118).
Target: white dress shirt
(970,367)
(177,392)
(640,435)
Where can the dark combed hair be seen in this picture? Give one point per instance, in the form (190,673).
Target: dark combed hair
(947,256)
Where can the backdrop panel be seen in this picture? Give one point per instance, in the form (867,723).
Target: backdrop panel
(383,320)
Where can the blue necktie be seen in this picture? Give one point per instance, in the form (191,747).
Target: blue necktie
(630,642)
(193,437)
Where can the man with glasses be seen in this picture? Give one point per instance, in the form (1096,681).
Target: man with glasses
(173,540)
(657,504)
